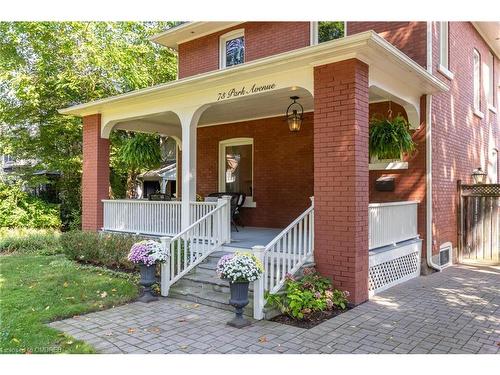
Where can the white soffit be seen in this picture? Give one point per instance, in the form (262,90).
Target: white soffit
(187,31)
(490,31)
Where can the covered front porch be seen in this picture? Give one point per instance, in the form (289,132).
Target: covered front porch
(238,114)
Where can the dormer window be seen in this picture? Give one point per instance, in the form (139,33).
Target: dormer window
(232,48)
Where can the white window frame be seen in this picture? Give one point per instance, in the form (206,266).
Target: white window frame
(489,82)
(493,166)
(444,50)
(222,45)
(249,202)
(314,32)
(476,77)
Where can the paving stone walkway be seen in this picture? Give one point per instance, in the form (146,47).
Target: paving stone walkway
(455,311)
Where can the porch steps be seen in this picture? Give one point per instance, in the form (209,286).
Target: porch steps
(204,287)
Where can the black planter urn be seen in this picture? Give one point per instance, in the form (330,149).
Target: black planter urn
(239,299)
(148,278)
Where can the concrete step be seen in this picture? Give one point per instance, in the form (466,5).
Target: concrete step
(209,298)
(206,281)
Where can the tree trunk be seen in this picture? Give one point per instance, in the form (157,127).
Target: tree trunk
(132,184)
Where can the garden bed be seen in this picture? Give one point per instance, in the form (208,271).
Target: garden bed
(312,320)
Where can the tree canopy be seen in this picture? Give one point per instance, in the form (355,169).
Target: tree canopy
(45,66)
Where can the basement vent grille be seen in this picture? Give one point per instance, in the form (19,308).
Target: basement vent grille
(392,267)
(445,254)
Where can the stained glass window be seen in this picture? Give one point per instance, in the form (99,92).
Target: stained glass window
(235,51)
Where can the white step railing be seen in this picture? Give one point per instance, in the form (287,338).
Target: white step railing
(192,245)
(390,223)
(142,216)
(284,255)
(199,209)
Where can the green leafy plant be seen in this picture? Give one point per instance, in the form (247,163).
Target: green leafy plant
(105,249)
(390,137)
(30,241)
(18,209)
(307,295)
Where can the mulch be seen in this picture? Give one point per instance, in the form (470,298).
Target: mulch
(310,320)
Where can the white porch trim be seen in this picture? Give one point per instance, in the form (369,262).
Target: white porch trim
(388,65)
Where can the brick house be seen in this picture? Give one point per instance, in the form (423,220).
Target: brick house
(371,223)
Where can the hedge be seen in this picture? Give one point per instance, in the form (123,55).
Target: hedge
(105,249)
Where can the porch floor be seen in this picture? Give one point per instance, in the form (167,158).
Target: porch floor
(247,237)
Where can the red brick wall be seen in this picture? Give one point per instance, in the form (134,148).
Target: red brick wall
(283,165)
(95,176)
(261,39)
(410,184)
(341,175)
(409,37)
(461,141)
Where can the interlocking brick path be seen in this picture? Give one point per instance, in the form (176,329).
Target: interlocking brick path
(455,311)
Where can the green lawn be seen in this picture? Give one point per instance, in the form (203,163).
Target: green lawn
(36,289)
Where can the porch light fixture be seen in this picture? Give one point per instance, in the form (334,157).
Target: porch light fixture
(479,176)
(294,115)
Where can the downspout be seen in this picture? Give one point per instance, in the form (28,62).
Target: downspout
(428,158)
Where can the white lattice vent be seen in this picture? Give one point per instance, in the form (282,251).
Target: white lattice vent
(389,267)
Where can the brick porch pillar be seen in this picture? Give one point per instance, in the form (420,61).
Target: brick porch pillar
(95,176)
(341,175)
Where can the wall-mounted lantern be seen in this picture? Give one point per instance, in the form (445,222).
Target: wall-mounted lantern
(294,115)
(479,176)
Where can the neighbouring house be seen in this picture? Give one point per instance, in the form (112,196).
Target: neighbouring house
(268,110)
(161,180)
(11,167)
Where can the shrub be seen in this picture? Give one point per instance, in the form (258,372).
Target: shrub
(39,241)
(106,249)
(18,209)
(308,295)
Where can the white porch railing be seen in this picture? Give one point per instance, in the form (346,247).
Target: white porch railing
(390,223)
(141,216)
(161,218)
(199,209)
(191,246)
(285,254)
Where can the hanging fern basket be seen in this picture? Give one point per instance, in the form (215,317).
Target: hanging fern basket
(390,138)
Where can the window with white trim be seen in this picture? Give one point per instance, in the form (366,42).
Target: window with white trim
(489,83)
(444,45)
(324,31)
(236,167)
(477,81)
(232,48)
(444,50)
(493,167)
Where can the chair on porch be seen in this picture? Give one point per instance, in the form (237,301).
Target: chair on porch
(159,197)
(237,201)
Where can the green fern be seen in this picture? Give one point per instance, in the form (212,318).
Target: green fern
(389,138)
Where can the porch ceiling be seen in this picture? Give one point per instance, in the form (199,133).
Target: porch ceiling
(269,104)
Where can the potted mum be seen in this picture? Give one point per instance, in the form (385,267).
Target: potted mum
(146,254)
(239,269)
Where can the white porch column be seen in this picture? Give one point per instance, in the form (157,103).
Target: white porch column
(189,121)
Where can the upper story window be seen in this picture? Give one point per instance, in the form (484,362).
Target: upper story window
(489,81)
(232,48)
(477,83)
(324,31)
(444,50)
